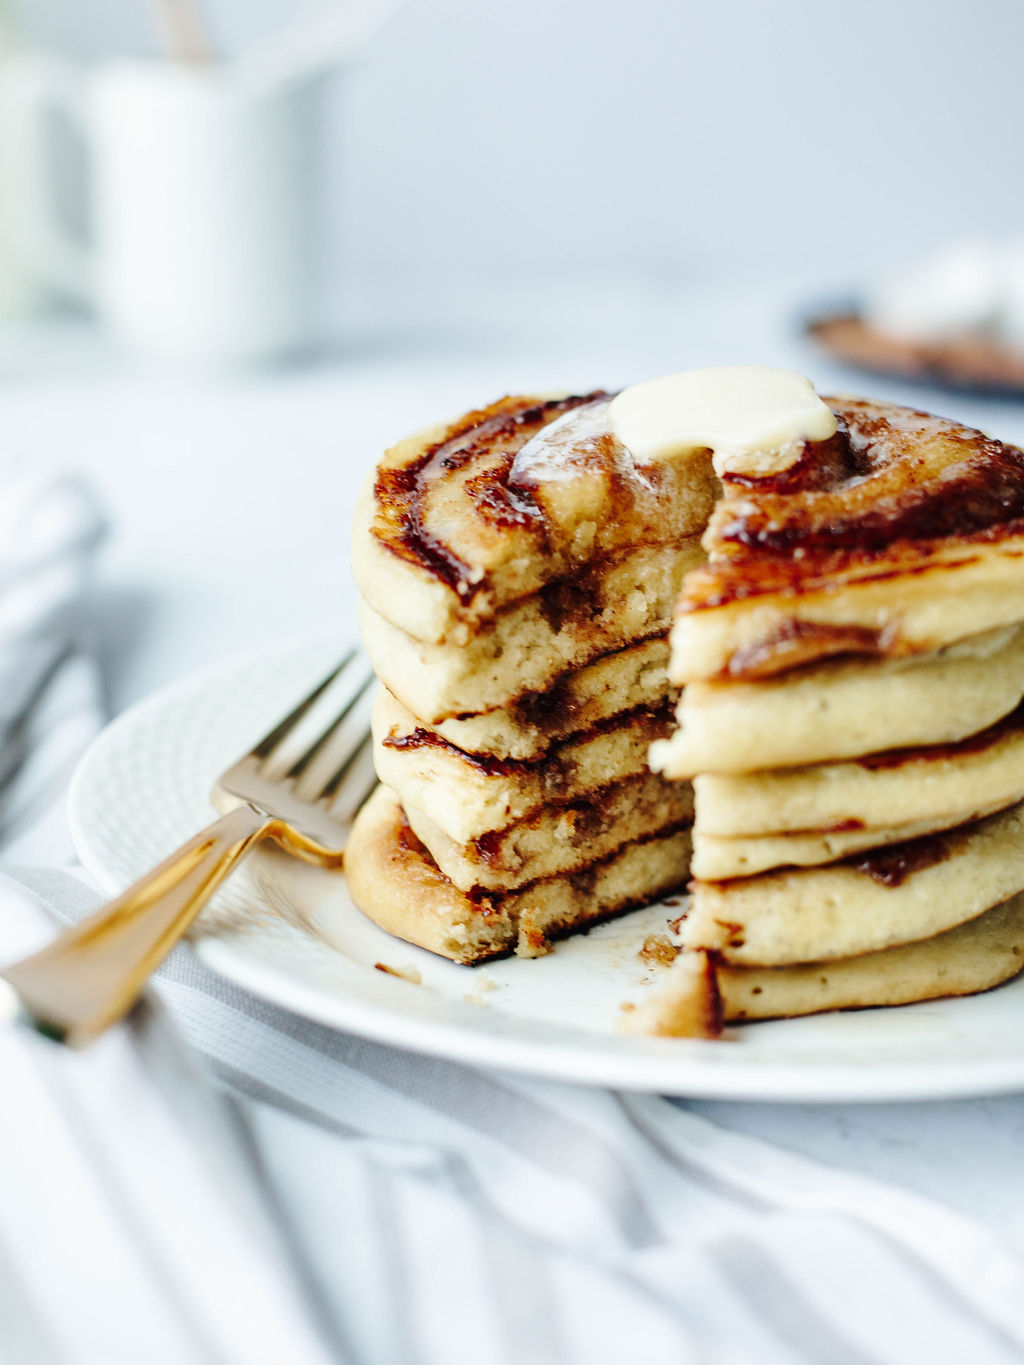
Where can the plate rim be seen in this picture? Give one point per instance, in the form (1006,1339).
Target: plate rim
(688,1068)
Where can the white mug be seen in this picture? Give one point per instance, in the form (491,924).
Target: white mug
(203,197)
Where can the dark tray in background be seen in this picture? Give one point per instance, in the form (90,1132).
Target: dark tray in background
(967,364)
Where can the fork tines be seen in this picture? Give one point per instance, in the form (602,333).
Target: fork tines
(332,723)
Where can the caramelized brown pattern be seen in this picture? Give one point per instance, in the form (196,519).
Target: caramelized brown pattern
(714,1007)
(583,881)
(800,642)
(876,500)
(879,496)
(554,708)
(422,738)
(489,438)
(891,486)
(588,816)
(659,718)
(489,904)
(822,465)
(498,501)
(893,865)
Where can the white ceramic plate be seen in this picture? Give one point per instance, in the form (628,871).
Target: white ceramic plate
(290,934)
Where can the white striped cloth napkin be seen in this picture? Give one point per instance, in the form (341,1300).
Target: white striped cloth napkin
(50,705)
(428,1213)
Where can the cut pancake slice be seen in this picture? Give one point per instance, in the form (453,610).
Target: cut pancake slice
(845,710)
(890,788)
(694,995)
(622,680)
(525,647)
(557,837)
(717,858)
(684,1003)
(470,794)
(886,897)
(395,882)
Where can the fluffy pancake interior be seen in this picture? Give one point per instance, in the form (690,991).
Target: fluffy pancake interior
(557,837)
(527,646)
(470,794)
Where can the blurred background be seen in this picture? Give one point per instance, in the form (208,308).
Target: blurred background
(652,138)
(237,268)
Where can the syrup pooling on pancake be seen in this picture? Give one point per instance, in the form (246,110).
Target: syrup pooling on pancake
(578,440)
(578,447)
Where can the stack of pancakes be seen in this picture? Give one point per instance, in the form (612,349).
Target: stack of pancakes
(519,627)
(853,662)
(850,639)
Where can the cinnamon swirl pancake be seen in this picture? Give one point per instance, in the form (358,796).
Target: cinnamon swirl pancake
(842,584)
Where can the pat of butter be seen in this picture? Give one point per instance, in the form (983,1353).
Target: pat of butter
(753,419)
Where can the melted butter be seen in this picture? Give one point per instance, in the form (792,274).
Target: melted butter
(753,419)
(557,449)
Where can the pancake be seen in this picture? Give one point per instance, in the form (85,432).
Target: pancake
(915,610)
(557,837)
(847,709)
(691,999)
(875,900)
(528,645)
(900,535)
(393,880)
(721,859)
(974,956)
(624,680)
(470,794)
(896,786)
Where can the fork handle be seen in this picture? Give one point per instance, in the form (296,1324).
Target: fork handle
(92,974)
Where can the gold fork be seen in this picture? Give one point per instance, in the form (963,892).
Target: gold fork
(93,973)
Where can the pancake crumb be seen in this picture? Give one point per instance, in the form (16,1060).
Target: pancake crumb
(406,973)
(483,985)
(657,950)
